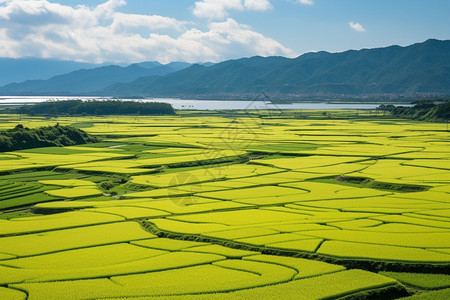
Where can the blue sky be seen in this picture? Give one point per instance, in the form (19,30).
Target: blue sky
(126,31)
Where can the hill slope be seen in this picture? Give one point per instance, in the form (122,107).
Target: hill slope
(20,137)
(20,69)
(422,68)
(419,68)
(84,80)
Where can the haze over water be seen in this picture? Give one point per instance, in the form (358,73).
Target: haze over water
(188,104)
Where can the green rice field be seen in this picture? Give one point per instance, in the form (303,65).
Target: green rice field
(229,205)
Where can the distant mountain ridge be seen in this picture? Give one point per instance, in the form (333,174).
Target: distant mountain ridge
(21,69)
(422,68)
(419,68)
(84,81)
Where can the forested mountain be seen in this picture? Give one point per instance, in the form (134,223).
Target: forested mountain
(422,68)
(419,68)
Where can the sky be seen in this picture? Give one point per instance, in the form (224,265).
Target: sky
(129,31)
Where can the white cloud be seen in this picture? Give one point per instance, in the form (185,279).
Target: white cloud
(306,2)
(218,9)
(258,5)
(38,28)
(356,26)
(231,39)
(123,21)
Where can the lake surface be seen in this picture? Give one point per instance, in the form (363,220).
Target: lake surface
(183,104)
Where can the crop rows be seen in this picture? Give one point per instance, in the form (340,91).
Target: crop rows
(269,208)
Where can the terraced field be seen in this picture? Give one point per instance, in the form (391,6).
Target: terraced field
(237,205)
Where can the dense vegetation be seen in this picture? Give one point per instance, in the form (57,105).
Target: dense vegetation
(94,107)
(424,110)
(21,137)
(419,68)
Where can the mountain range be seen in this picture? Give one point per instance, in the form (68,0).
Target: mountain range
(21,69)
(422,68)
(87,80)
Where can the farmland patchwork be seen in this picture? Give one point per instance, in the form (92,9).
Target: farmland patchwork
(204,206)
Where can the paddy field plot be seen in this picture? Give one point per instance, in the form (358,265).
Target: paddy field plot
(204,206)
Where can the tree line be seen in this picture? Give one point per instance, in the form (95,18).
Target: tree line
(425,110)
(96,107)
(20,137)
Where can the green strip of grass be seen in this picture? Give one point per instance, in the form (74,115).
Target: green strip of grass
(420,280)
(373,184)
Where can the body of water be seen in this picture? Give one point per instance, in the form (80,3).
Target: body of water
(183,104)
